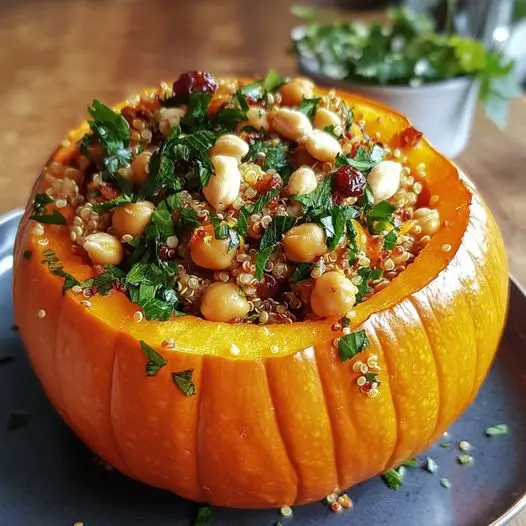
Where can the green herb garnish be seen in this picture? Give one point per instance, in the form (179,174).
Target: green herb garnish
(394,478)
(155,360)
(203,517)
(309,106)
(350,345)
(367,275)
(301,272)
(39,211)
(183,380)
(55,267)
(390,240)
(497,430)
(106,281)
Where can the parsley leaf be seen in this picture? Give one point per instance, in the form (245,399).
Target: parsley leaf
(162,219)
(224,231)
(155,360)
(279,225)
(55,267)
(112,203)
(247,210)
(309,106)
(390,240)
(349,116)
(203,517)
(318,202)
(106,281)
(113,131)
(497,430)
(183,380)
(277,159)
(39,211)
(340,219)
(301,272)
(197,113)
(367,275)
(352,344)
(379,215)
(394,478)
(272,81)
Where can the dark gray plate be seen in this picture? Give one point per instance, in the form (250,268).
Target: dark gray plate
(47,477)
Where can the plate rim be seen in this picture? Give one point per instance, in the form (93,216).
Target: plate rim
(510,513)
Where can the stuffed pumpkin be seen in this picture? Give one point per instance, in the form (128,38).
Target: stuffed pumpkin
(256,293)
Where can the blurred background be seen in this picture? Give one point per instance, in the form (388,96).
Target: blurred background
(57,55)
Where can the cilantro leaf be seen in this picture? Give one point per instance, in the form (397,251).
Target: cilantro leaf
(379,215)
(309,106)
(183,380)
(276,158)
(155,360)
(352,344)
(247,210)
(340,219)
(197,113)
(367,275)
(301,272)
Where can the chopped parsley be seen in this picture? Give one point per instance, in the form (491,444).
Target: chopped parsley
(367,274)
(247,210)
(113,132)
(350,345)
(497,430)
(203,517)
(278,226)
(379,216)
(225,231)
(411,463)
(390,240)
(155,360)
(103,283)
(107,206)
(183,380)
(317,203)
(309,106)
(40,214)
(394,478)
(301,272)
(56,268)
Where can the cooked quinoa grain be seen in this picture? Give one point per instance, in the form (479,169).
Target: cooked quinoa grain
(259,203)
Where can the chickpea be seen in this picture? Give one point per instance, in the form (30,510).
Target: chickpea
(256,117)
(140,167)
(333,295)
(428,219)
(294,91)
(323,146)
(231,146)
(224,302)
(223,187)
(302,181)
(169,118)
(103,249)
(324,118)
(384,180)
(132,218)
(304,243)
(291,124)
(209,252)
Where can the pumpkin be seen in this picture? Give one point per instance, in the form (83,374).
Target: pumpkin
(277,418)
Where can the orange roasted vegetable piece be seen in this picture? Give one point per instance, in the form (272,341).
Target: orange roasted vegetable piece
(280,420)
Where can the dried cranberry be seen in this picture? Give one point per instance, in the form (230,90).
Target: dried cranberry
(268,287)
(349,181)
(411,137)
(166,254)
(193,82)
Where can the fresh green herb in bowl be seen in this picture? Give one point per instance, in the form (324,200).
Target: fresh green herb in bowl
(404,51)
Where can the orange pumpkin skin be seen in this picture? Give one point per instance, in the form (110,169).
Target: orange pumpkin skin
(268,428)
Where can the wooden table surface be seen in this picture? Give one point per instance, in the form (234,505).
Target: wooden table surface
(56,56)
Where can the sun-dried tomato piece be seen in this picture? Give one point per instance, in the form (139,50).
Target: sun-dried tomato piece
(411,137)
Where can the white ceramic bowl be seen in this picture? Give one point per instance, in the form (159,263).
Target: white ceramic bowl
(443,111)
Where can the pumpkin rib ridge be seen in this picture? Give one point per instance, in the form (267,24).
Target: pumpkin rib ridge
(110,405)
(331,422)
(371,334)
(413,302)
(197,437)
(293,465)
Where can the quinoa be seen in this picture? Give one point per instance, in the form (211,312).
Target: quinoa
(267,187)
